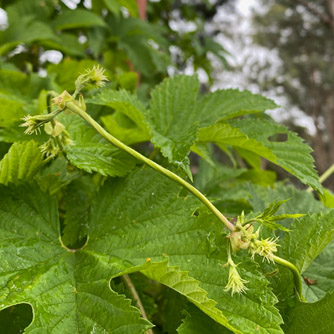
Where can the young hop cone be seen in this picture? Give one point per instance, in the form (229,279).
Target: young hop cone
(265,248)
(33,123)
(235,283)
(94,76)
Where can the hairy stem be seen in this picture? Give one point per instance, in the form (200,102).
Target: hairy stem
(128,282)
(296,275)
(72,106)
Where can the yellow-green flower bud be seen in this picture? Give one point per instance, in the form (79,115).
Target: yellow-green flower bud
(235,283)
(94,76)
(33,123)
(265,248)
(50,148)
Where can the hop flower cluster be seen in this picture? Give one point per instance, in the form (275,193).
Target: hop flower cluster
(94,76)
(264,247)
(235,283)
(33,123)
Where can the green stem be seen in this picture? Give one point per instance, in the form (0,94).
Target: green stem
(324,176)
(327,174)
(72,106)
(296,275)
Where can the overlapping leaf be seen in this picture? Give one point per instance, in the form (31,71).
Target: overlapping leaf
(91,152)
(137,224)
(319,276)
(253,135)
(21,163)
(166,230)
(177,113)
(196,322)
(37,270)
(127,124)
(309,236)
(313,318)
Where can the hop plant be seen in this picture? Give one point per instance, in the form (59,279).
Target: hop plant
(94,76)
(33,123)
(235,283)
(265,248)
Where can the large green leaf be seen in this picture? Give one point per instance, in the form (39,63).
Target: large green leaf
(91,152)
(319,276)
(127,124)
(255,136)
(137,224)
(21,163)
(312,318)
(177,114)
(37,270)
(143,218)
(309,236)
(172,104)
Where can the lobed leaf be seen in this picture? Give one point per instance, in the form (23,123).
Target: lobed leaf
(36,269)
(229,103)
(252,135)
(172,126)
(91,152)
(140,218)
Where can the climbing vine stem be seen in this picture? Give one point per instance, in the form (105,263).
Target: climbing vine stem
(74,107)
(296,275)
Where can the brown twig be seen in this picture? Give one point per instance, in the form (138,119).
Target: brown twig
(128,282)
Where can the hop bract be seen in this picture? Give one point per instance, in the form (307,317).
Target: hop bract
(265,248)
(235,282)
(94,76)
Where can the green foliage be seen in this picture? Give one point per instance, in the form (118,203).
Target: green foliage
(268,219)
(21,163)
(91,152)
(313,318)
(253,135)
(75,222)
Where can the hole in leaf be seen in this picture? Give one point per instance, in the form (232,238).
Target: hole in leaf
(14,319)
(278,137)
